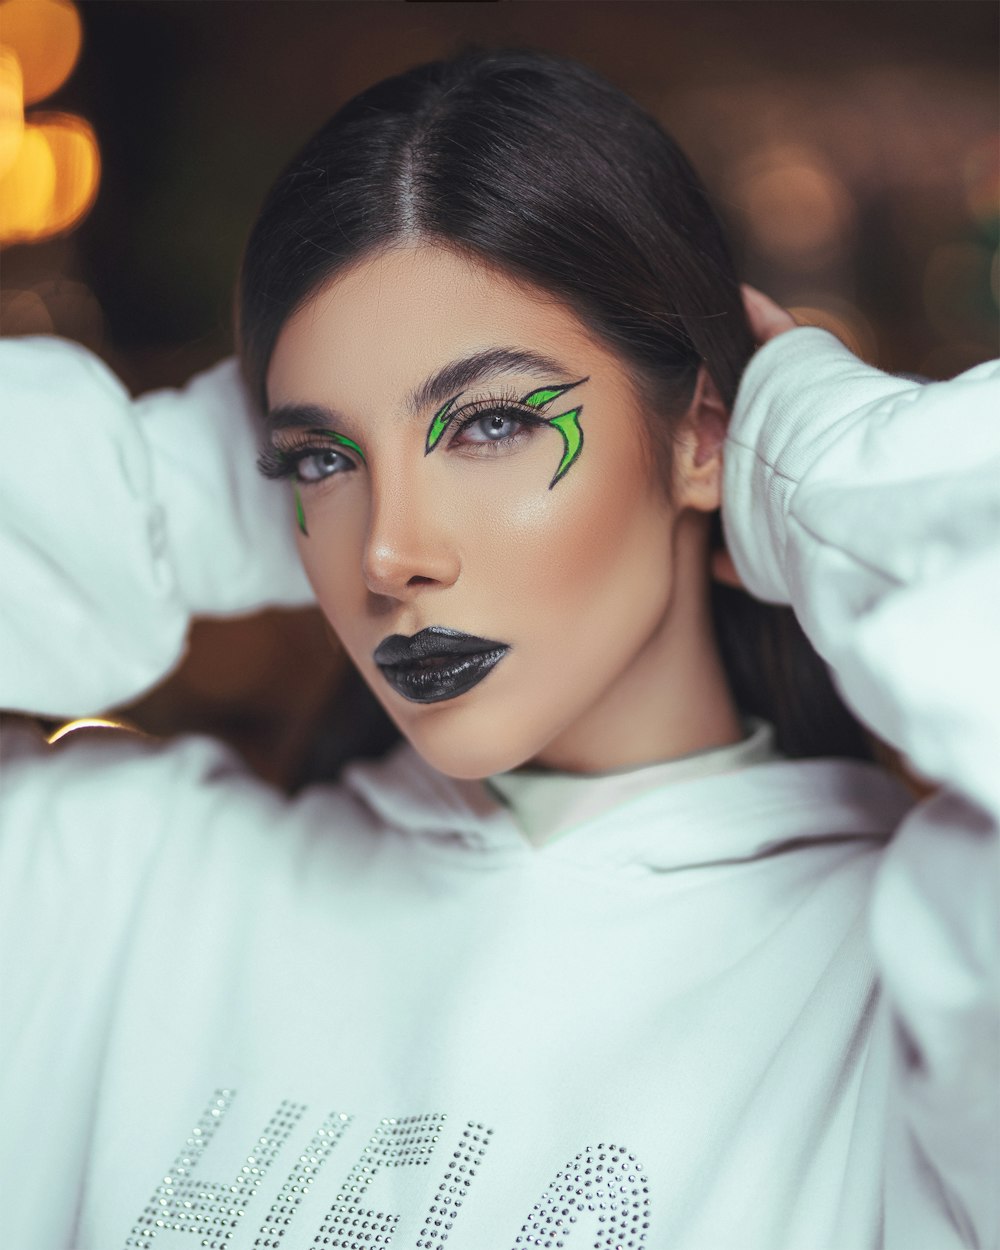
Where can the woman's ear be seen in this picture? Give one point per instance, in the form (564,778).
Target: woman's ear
(698,447)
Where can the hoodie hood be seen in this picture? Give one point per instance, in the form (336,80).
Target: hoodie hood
(722,818)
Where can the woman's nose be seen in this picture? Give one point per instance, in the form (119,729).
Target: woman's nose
(407,546)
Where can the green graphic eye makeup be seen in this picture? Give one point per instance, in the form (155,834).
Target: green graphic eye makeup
(283,462)
(440,423)
(299,513)
(280,463)
(334,437)
(568,426)
(567,423)
(331,436)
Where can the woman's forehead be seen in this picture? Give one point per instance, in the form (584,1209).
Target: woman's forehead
(389,322)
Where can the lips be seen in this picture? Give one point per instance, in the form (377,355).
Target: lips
(437,663)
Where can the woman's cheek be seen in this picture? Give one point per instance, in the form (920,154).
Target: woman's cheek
(333,569)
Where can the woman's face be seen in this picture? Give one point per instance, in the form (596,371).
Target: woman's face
(511,500)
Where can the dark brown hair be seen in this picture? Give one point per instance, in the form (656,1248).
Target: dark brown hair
(534,164)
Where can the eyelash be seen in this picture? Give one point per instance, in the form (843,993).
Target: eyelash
(506,405)
(276,462)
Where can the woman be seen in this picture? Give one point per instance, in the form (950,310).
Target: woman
(629,943)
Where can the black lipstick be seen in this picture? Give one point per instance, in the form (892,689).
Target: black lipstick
(437,663)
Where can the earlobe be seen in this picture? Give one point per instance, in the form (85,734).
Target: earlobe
(703,432)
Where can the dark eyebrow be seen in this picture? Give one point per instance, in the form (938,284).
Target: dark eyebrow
(450,380)
(459,375)
(300,416)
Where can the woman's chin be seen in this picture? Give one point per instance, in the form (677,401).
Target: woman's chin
(465,763)
(459,751)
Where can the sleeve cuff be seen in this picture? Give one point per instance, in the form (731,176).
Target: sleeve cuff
(798,394)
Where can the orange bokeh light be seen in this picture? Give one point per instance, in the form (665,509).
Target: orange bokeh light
(53,180)
(27,189)
(796,208)
(50,164)
(78,169)
(46,36)
(11,108)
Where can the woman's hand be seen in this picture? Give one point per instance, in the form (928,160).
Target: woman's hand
(767,320)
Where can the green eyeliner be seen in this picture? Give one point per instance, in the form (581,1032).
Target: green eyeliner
(438,425)
(539,398)
(567,423)
(333,437)
(299,513)
(568,426)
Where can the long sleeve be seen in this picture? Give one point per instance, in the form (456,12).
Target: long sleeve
(872,506)
(122,519)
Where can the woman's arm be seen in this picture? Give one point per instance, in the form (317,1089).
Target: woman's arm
(871,504)
(120,520)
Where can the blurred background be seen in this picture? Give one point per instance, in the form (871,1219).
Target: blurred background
(852,147)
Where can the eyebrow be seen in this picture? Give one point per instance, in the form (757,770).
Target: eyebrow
(447,383)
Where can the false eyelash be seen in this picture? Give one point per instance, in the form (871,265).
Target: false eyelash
(276,463)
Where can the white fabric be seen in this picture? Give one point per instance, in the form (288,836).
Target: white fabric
(120,521)
(760,1014)
(547,803)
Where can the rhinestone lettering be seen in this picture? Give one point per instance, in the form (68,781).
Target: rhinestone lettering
(605,1182)
(405,1142)
(213,1211)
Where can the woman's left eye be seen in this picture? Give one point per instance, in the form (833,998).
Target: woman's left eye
(499,426)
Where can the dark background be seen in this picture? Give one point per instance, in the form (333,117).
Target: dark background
(852,148)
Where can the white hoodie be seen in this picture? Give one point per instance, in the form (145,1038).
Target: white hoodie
(751,1010)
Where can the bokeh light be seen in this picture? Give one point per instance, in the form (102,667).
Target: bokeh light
(841,318)
(27,189)
(54,305)
(78,169)
(53,180)
(797,209)
(981,174)
(50,164)
(46,36)
(24,312)
(11,108)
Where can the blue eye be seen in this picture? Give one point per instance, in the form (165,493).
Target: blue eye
(491,425)
(314,466)
(306,465)
(492,428)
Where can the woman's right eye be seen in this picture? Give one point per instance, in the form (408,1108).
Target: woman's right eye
(308,465)
(314,466)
